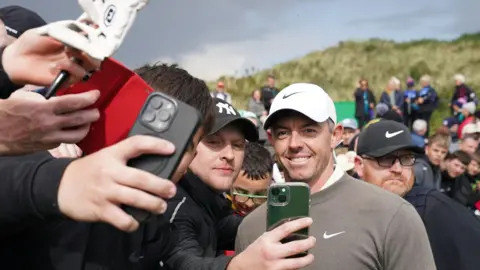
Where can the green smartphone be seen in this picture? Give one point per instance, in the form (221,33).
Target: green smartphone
(286,202)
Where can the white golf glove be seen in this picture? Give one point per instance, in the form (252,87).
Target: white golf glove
(113,17)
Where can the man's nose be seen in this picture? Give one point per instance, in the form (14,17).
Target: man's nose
(295,141)
(249,203)
(396,167)
(227,152)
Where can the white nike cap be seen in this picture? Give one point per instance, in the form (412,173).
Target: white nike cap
(306,98)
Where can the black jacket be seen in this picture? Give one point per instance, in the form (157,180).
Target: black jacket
(359,105)
(268,93)
(463,91)
(205,226)
(34,234)
(28,190)
(453,231)
(459,189)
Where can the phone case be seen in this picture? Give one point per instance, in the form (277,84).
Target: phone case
(169,119)
(286,202)
(122,96)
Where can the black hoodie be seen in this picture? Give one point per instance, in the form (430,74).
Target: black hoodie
(459,189)
(205,227)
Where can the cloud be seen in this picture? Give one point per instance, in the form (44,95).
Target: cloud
(182,29)
(184,26)
(232,58)
(214,37)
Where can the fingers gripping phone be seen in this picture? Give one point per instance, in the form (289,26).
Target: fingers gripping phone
(286,202)
(166,118)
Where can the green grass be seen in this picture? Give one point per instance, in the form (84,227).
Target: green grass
(337,69)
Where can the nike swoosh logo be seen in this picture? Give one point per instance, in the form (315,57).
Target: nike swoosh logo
(327,236)
(389,135)
(289,95)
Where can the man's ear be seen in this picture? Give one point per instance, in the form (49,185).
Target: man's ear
(359,166)
(336,136)
(269,135)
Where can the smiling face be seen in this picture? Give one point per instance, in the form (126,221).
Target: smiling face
(304,147)
(219,158)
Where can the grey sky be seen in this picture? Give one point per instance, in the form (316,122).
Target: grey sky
(213,37)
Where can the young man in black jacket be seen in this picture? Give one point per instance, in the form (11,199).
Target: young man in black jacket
(200,211)
(455,182)
(454,233)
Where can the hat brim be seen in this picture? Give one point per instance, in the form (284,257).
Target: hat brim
(392,148)
(350,127)
(270,118)
(248,129)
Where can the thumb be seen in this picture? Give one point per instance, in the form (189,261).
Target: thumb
(135,146)
(19,94)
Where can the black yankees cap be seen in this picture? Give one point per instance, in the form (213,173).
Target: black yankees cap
(384,137)
(18,20)
(226,115)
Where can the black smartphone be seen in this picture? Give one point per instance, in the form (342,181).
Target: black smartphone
(167,118)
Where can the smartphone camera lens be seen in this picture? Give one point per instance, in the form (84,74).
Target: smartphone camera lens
(275,191)
(149,116)
(163,115)
(282,198)
(156,103)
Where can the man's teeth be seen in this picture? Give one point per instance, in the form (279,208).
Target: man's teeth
(299,159)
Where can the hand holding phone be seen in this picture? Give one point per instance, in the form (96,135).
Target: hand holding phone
(286,202)
(169,119)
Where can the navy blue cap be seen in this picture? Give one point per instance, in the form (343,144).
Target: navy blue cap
(18,20)
(450,122)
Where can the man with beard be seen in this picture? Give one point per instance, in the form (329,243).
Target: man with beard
(454,233)
(354,231)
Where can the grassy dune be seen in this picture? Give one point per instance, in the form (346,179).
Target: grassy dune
(337,69)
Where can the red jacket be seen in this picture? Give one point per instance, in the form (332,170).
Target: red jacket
(463,124)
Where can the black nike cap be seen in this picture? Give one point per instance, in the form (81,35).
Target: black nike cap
(384,137)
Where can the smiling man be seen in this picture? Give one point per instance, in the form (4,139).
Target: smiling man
(386,156)
(200,211)
(353,230)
